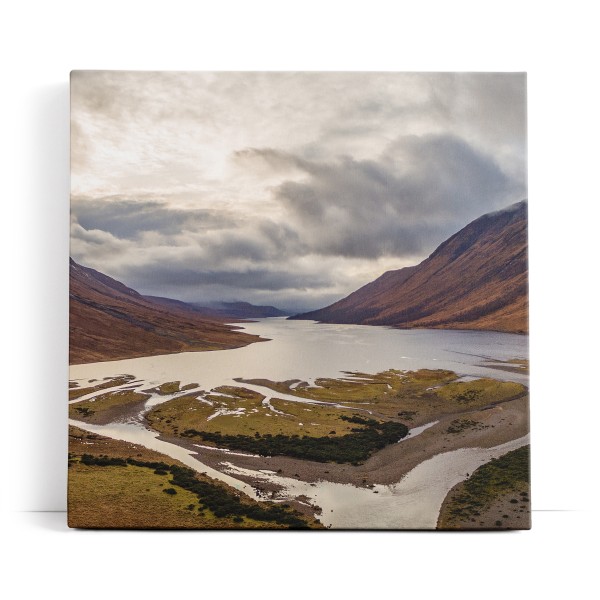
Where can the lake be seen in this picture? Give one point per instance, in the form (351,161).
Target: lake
(307,350)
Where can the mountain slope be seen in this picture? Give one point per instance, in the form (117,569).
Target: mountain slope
(477,279)
(109,321)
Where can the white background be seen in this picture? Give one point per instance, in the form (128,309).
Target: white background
(556,43)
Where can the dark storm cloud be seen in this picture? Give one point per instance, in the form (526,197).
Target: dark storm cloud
(215,235)
(253,279)
(126,219)
(422,189)
(256,241)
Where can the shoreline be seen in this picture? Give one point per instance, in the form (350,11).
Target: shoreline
(165,352)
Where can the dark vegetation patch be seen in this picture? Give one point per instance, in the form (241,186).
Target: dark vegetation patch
(103,461)
(467,397)
(83,411)
(225,504)
(460,425)
(215,498)
(501,476)
(407,414)
(354,447)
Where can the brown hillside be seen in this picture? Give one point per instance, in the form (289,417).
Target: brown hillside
(477,279)
(109,321)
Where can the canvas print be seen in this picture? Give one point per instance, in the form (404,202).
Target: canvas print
(298,301)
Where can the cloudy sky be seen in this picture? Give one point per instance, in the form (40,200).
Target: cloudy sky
(291,189)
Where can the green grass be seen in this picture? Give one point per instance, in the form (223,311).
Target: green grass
(412,395)
(460,425)
(514,365)
(240,420)
(480,392)
(129,497)
(171,387)
(77,392)
(189,386)
(104,405)
(189,412)
(507,475)
(115,492)
(237,392)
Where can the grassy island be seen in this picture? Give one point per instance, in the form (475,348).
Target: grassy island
(342,420)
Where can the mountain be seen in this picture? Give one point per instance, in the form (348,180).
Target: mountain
(109,321)
(205,311)
(243,310)
(221,310)
(476,279)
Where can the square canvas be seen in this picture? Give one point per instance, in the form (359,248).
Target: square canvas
(298,300)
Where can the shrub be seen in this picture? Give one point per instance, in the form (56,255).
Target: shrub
(354,447)
(102,461)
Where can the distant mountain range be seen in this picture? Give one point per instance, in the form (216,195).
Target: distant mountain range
(231,310)
(109,321)
(477,279)
(243,310)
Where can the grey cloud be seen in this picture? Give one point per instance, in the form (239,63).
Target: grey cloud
(254,279)
(215,235)
(250,246)
(421,190)
(229,265)
(126,218)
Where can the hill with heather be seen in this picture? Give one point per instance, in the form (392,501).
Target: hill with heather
(110,321)
(476,279)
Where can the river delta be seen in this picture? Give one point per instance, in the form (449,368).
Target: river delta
(319,426)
